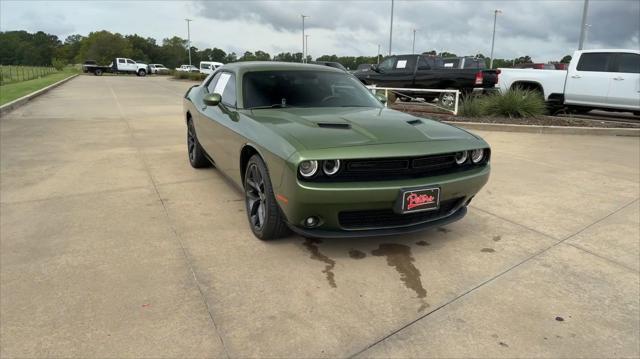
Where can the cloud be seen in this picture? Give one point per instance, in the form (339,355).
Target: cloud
(543,29)
(459,26)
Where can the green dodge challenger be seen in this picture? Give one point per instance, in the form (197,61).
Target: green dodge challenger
(314,151)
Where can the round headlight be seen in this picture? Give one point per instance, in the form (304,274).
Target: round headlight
(331,167)
(461,157)
(308,168)
(477,155)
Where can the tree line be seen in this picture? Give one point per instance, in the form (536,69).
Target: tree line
(42,49)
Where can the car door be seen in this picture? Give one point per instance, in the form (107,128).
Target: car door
(122,65)
(217,120)
(228,138)
(393,71)
(588,81)
(131,66)
(624,87)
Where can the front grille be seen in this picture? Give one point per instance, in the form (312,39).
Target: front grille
(387,218)
(398,168)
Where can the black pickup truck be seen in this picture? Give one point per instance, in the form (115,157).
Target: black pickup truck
(426,72)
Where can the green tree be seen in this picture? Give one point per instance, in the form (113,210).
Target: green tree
(248,56)
(104,46)
(143,49)
(173,52)
(262,56)
(447,54)
(231,57)
(566,59)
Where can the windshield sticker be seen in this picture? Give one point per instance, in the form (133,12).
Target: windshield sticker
(401,64)
(222,83)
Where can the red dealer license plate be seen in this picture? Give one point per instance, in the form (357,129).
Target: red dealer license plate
(425,199)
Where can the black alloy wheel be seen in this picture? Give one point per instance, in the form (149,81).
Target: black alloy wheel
(256,197)
(265,217)
(197,158)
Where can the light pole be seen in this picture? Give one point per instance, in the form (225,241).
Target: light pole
(306,46)
(583,27)
(391,29)
(189,38)
(378,54)
(303,38)
(493,38)
(413,45)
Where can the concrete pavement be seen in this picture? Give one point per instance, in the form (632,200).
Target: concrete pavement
(111,245)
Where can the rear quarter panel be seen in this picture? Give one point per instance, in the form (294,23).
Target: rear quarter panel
(551,81)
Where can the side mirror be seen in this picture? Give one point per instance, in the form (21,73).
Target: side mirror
(381,98)
(212,99)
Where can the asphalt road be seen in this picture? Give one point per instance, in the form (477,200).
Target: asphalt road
(112,246)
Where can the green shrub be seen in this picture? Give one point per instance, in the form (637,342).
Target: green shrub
(472,106)
(193,76)
(514,103)
(59,64)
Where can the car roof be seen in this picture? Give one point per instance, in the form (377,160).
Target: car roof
(250,66)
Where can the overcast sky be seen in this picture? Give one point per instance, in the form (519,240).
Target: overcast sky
(545,30)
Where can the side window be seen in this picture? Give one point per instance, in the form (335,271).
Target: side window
(121,61)
(423,64)
(212,84)
(594,61)
(130,61)
(629,63)
(226,86)
(387,64)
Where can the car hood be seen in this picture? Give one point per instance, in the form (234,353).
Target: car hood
(318,128)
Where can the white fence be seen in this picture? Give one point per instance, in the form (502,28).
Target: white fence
(450,107)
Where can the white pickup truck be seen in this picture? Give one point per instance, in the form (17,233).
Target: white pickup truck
(118,65)
(596,79)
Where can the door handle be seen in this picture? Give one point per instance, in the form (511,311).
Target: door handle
(576,76)
(618,78)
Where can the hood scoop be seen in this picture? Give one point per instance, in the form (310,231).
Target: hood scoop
(341,126)
(414,122)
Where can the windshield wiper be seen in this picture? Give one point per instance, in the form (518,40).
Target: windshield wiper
(275,105)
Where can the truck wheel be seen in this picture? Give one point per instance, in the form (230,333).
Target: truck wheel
(447,99)
(98,72)
(142,73)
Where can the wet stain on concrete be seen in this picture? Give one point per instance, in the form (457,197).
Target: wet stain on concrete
(494,336)
(422,243)
(560,319)
(311,245)
(356,254)
(443,230)
(497,238)
(399,256)
(503,344)
(487,250)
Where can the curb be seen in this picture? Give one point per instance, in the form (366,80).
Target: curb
(8,107)
(557,130)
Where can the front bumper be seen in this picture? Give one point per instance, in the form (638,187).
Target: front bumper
(300,200)
(328,233)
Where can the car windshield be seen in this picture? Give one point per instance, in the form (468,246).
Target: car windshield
(304,88)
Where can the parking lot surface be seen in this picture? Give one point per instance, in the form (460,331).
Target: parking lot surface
(113,246)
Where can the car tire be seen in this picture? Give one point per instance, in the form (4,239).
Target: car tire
(196,154)
(447,99)
(142,73)
(98,72)
(265,217)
